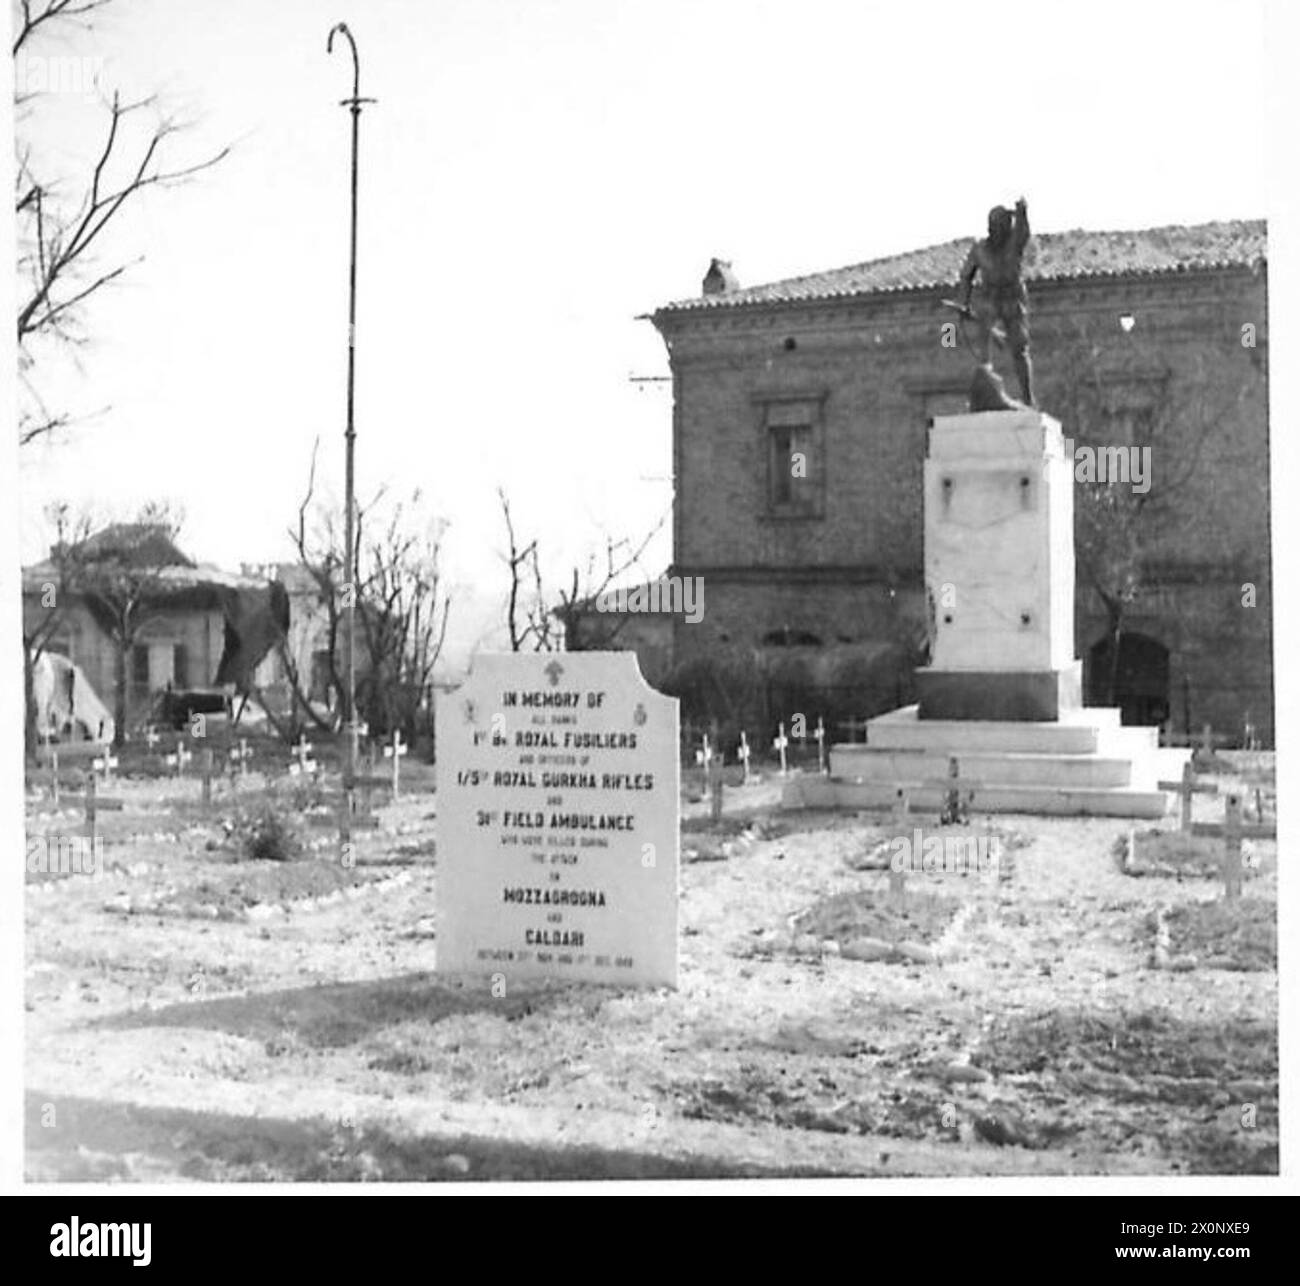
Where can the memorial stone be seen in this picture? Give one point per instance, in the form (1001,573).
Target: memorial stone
(557,787)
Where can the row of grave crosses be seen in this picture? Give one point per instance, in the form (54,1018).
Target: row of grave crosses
(302,763)
(238,755)
(1232,830)
(102,767)
(395,751)
(705,756)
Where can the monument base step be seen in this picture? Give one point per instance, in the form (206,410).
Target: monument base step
(862,763)
(1060,801)
(1085,763)
(1094,730)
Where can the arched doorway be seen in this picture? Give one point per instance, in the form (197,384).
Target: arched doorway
(1138,684)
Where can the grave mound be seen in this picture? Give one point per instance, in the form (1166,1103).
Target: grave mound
(869,925)
(1171,854)
(1238,935)
(232,892)
(1149,1054)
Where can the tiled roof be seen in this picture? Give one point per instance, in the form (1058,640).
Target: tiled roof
(36,576)
(1053,256)
(147,546)
(135,544)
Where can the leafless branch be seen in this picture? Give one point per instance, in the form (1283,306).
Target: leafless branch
(30,18)
(61,223)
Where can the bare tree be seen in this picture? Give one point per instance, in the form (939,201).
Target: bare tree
(402,610)
(321,557)
(122,581)
(403,614)
(1113,397)
(537,622)
(604,571)
(528,623)
(64,222)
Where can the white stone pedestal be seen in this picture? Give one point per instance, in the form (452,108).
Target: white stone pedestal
(999,569)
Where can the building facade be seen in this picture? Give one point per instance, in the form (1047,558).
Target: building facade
(800,414)
(180,613)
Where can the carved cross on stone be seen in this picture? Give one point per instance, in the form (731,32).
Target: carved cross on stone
(553,672)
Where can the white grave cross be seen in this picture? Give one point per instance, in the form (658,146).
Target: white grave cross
(705,753)
(304,762)
(743,755)
(395,753)
(781,742)
(105,764)
(180,758)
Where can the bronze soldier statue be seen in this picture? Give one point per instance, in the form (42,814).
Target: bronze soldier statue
(997,261)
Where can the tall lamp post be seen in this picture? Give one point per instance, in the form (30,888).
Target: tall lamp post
(354,105)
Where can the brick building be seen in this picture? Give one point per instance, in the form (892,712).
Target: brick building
(1155,338)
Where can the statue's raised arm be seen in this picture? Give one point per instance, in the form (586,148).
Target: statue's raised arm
(1022,224)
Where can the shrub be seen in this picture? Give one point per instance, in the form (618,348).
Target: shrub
(266,835)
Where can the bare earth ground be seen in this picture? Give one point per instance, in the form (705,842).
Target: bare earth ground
(172,1034)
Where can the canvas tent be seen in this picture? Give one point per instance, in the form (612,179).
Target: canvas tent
(67,707)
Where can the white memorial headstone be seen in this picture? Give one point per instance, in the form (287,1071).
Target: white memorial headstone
(558,801)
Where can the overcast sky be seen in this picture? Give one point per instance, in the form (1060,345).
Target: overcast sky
(535,174)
